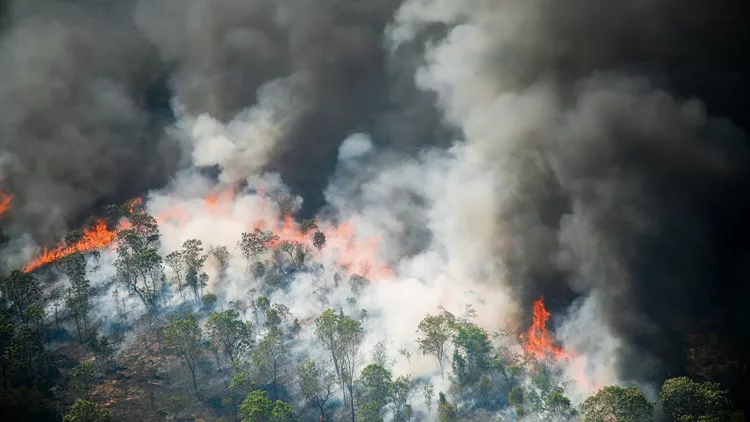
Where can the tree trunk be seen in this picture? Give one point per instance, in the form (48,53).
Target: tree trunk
(275,388)
(351,402)
(192,374)
(216,356)
(20,311)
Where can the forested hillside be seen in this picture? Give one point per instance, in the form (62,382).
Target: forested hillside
(169,347)
(374,210)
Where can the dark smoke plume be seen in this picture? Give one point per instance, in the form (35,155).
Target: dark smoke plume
(624,175)
(622,186)
(84,94)
(77,121)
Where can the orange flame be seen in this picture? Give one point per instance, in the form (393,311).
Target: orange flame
(217,203)
(5,200)
(351,255)
(95,237)
(537,341)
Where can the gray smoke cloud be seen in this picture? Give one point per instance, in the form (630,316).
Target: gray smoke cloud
(324,63)
(75,128)
(606,181)
(86,85)
(518,149)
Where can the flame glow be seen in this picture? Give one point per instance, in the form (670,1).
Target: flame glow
(537,341)
(5,200)
(96,237)
(352,255)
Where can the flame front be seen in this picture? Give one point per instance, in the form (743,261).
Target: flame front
(95,237)
(537,341)
(352,255)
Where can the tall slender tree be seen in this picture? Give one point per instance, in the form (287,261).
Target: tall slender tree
(316,385)
(192,252)
(435,333)
(184,338)
(342,337)
(139,265)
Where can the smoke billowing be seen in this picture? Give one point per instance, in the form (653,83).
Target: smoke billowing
(593,153)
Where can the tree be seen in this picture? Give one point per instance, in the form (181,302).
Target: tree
(622,404)
(138,263)
(221,255)
(56,298)
(471,354)
(342,337)
(78,295)
(228,333)
(192,252)
(82,379)
(269,357)
(7,330)
(428,393)
(102,348)
(516,399)
(120,307)
(276,315)
(27,346)
(375,383)
(176,261)
(21,290)
(683,400)
(202,282)
(184,337)
(358,283)
(256,243)
(258,408)
(296,251)
(296,328)
(316,385)
(86,411)
(435,333)
(209,301)
(262,304)
(558,406)
(401,391)
(446,411)
(307,226)
(380,354)
(319,240)
(37,317)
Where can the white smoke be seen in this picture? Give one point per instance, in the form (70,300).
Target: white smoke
(461,194)
(437,221)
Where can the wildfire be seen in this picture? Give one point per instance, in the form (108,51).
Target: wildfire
(537,341)
(351,255)
(5,200)
(95,237)
(217,203)
(355,256)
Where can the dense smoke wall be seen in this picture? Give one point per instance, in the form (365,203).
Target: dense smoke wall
(591,153)
(617,183)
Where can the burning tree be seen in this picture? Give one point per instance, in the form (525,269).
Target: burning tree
(538,342)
